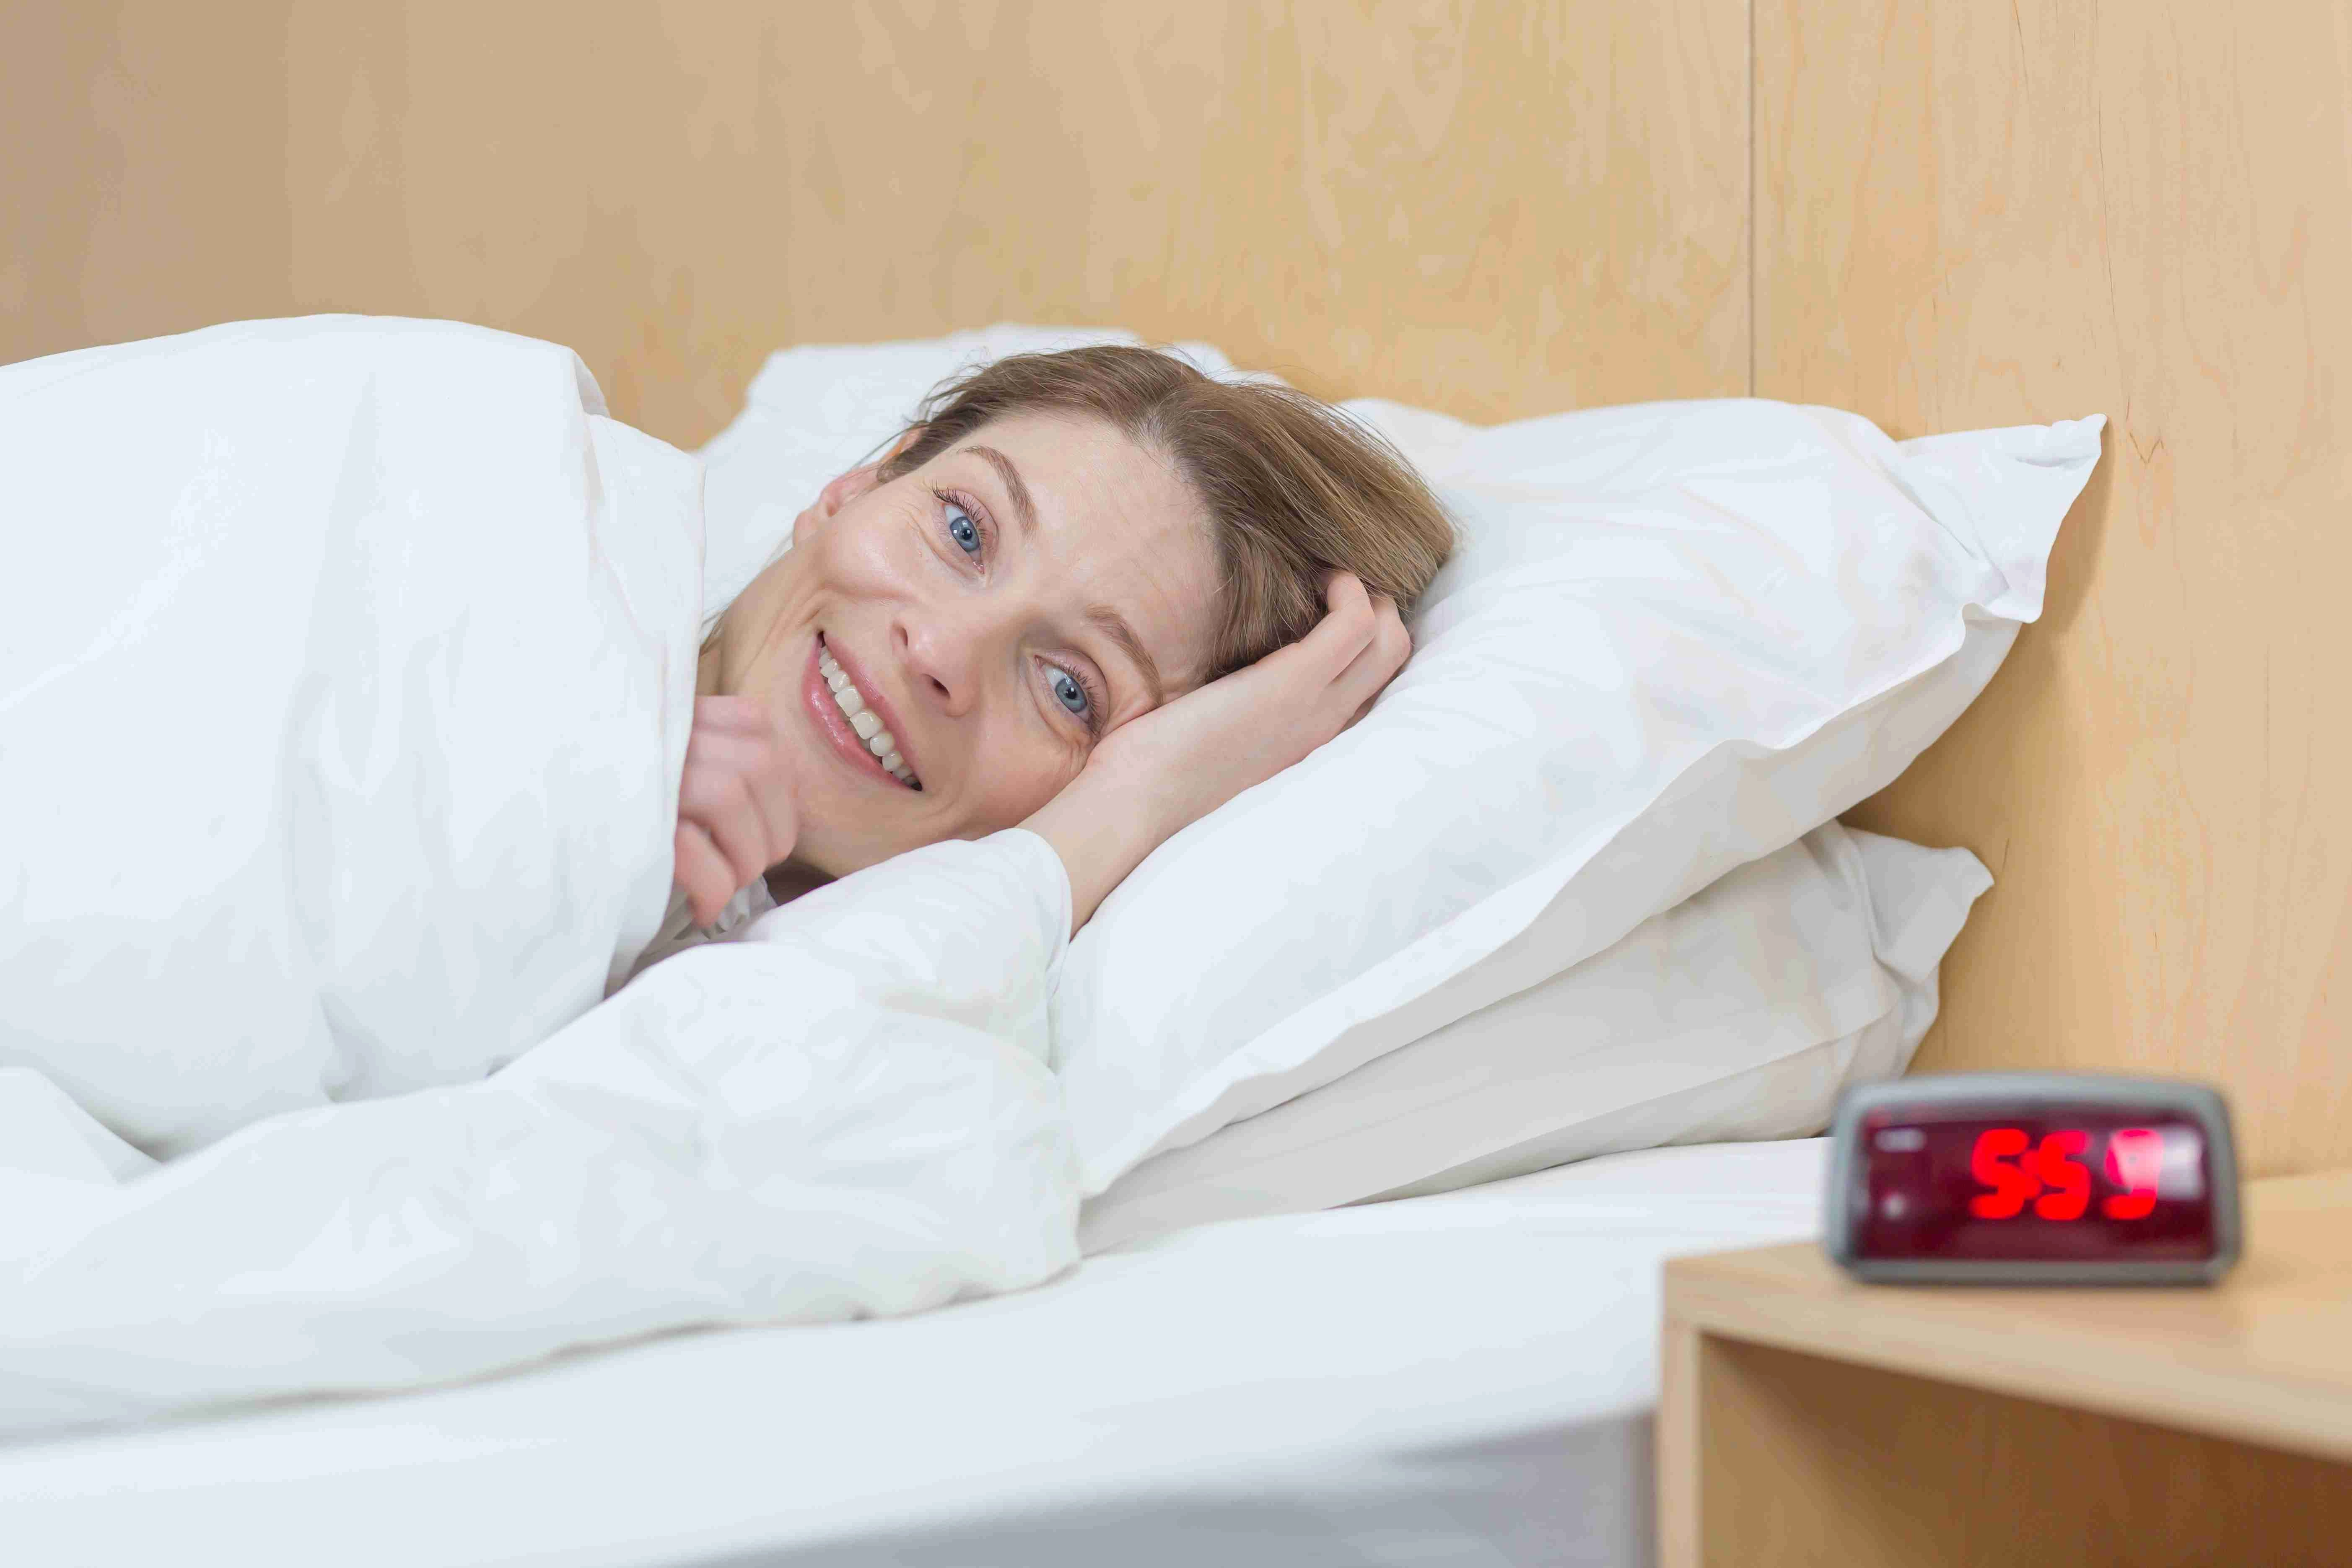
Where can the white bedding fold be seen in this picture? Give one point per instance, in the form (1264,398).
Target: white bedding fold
(845,1114)
(346,674)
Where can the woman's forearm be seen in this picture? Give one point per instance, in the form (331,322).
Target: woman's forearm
(1181,761)
(1102,824)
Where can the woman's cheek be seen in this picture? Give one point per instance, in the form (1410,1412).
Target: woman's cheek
(1045,769)
(890,548)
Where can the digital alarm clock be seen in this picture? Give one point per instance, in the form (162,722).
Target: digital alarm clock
(2033,1179)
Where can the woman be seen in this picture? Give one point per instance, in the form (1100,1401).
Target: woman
(1087,598)
(992,626)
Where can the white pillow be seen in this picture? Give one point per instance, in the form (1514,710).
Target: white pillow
(1679,636)
(1738,1014)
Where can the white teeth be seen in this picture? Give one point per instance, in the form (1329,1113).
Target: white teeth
(846,696)
(852,703)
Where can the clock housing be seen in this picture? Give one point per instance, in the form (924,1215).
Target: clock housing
(2033,1178)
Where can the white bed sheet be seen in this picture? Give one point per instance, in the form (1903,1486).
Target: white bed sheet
(1466,1379)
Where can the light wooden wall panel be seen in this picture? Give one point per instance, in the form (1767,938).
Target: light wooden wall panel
(1983,214)
(140,158)
(1967,214)
(1494,209)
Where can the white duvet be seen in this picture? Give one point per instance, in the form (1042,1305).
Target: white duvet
(346,670)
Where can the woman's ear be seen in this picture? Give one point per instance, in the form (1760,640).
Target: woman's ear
(848,487)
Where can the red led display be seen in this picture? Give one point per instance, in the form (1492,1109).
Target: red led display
(2081,1185)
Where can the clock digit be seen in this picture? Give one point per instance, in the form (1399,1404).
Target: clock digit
(2135,1156)
(2067,1178)
(1989,1164)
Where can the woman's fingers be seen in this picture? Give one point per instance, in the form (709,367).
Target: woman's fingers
(723,805)
(1344,662)
(703,872)
(1347,624)
(736,796)
(1369,674)
(1384,653)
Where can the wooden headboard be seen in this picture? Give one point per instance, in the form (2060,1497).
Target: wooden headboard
(1944,216)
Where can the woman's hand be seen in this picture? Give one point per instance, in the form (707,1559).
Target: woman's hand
(1176,764)
(738,807)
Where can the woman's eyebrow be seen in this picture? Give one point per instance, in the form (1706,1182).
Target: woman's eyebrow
(1114,626)
(1023,509)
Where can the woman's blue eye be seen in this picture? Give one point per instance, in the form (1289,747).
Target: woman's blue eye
(1069,693)
(962,530)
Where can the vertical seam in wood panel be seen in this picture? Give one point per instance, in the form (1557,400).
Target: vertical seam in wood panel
(1754,241)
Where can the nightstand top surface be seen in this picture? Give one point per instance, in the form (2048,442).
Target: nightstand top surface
(2265,1356)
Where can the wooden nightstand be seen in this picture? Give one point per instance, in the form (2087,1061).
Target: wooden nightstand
(1808,1420)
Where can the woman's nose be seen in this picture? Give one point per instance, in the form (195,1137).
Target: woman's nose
(944,647)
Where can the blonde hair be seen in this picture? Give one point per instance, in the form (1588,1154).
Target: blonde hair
(1293,486)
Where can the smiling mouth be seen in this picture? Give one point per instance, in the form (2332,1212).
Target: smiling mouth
(853,725)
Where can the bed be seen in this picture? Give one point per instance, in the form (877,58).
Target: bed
(1942,217)
(1462,1378)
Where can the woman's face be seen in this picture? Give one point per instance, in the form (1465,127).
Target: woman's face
(996,612)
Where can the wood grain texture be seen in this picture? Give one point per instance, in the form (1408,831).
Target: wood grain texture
(1491,209)
(2265,1357)
(1813,1461)
(1681,1437)
(1970,215)
(1806,1419)
(1966,215)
